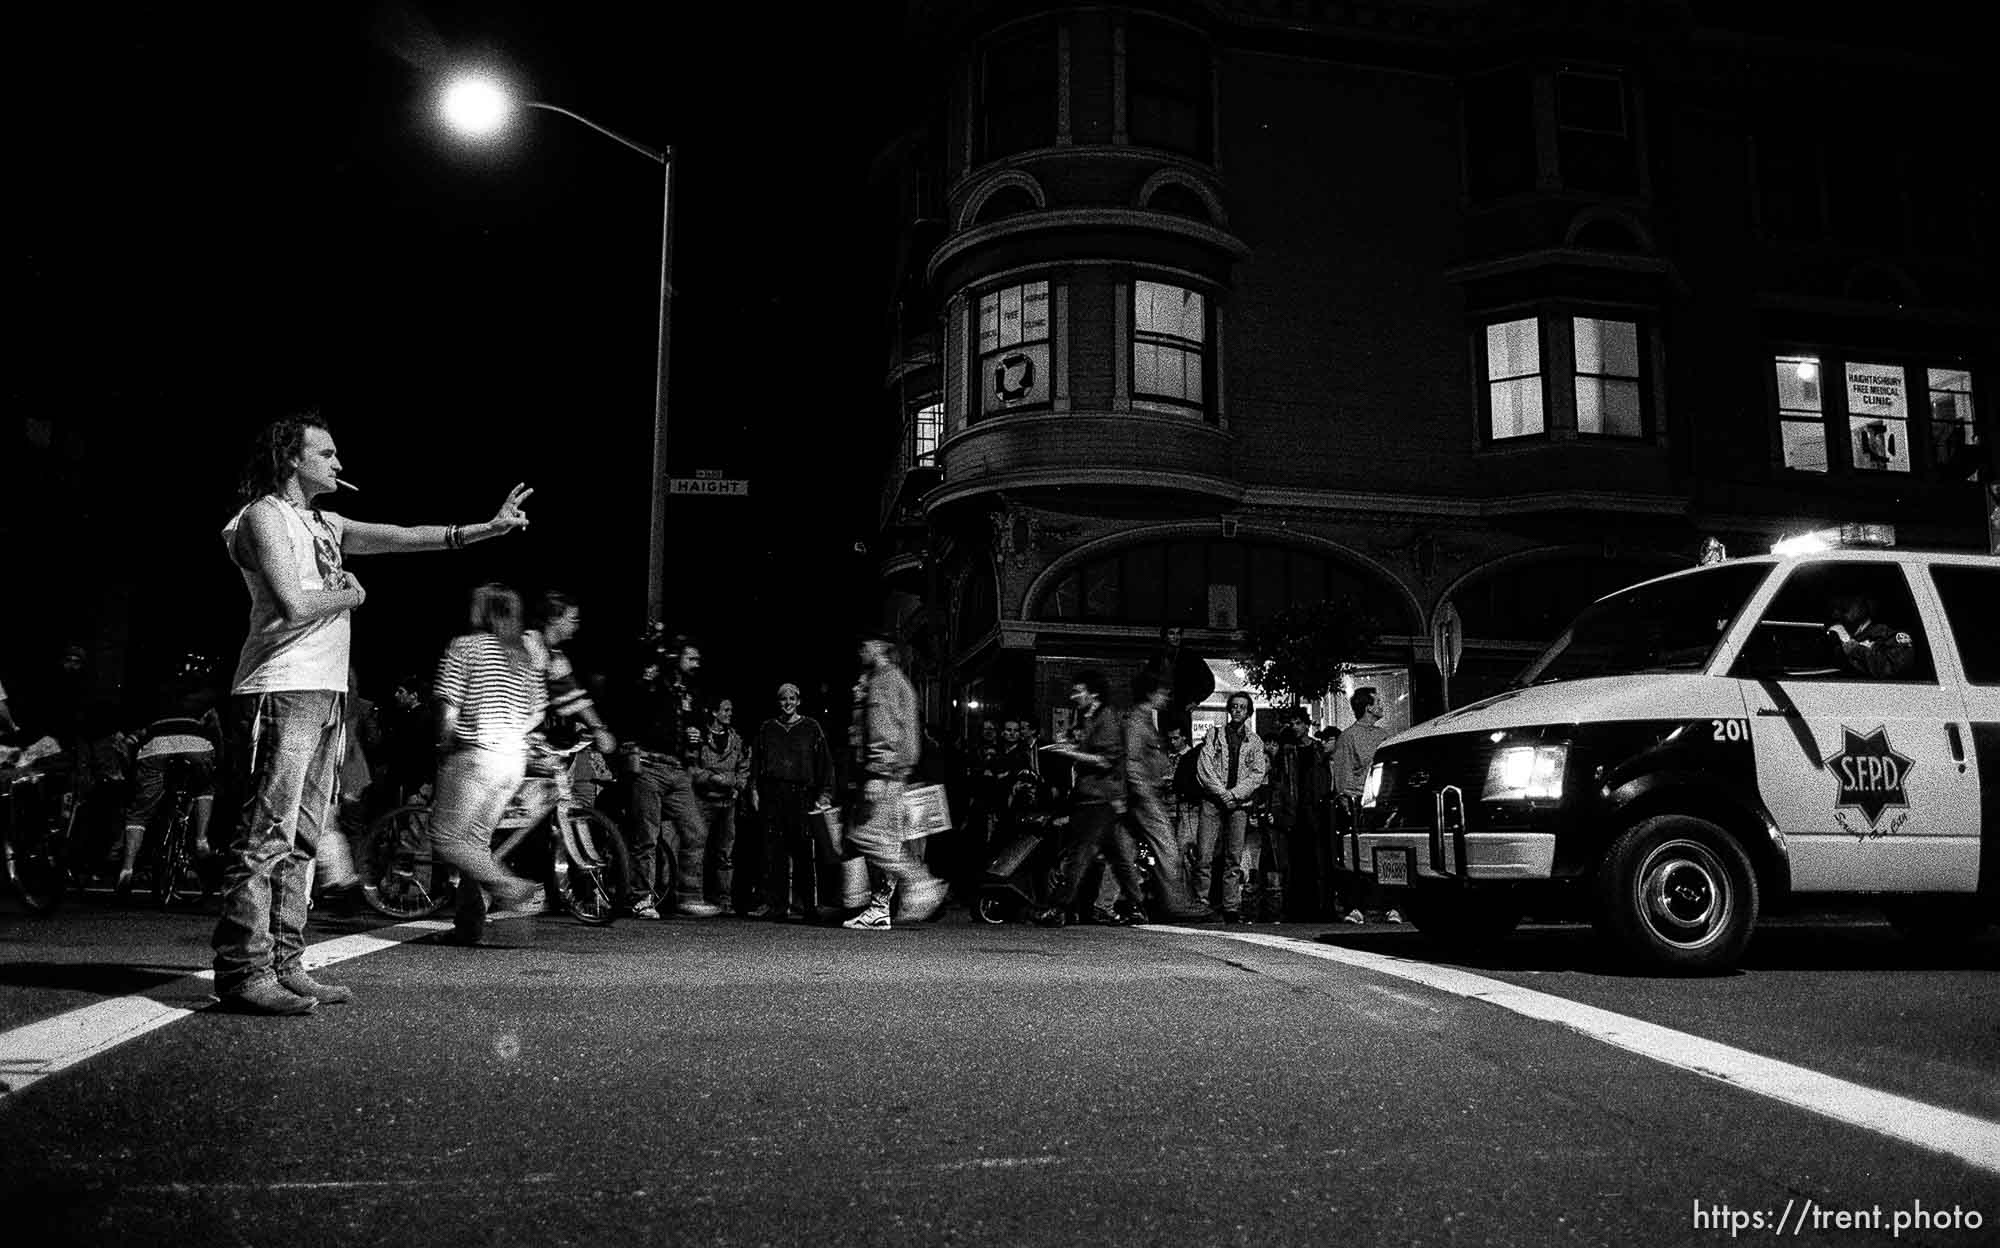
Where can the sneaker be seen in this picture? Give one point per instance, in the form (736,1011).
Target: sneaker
(922,899)
(762,910)
(646,910)
(1354,916)
(1048,916)
(697,910)
(1392,917)
(1136,917)
(873,919)
(266,997)
(301,984)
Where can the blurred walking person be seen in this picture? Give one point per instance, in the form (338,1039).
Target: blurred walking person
(490,693)
(286,712)
(1097,757)
(889,742)
(1149,777)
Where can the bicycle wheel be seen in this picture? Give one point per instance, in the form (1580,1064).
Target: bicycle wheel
(34,854)
(591,865)
(175,857)
(399,877)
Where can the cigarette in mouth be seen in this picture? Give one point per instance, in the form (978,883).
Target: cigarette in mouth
(345,485)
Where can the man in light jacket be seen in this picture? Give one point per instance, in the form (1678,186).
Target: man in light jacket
(889,742)
(1231,769)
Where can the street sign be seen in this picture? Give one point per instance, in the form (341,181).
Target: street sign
(708,485)
(1447,639)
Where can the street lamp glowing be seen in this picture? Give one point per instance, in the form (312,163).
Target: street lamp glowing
(476,106)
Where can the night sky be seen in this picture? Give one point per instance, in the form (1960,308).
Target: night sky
(222,219)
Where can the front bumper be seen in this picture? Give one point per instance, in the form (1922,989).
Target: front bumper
(1451,855)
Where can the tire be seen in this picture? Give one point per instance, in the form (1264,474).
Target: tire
(1463,920)
(1939,922)
(591,866)
(1677,894)
(34,860)
(171,864)
(399,877)
(992,909)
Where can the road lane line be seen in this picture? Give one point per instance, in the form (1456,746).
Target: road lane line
(1971,1139)
(34,1051)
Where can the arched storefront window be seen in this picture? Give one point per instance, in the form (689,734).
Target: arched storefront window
(1196,583)
(1532,601)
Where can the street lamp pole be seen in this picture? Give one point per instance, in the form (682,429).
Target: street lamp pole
(479,107)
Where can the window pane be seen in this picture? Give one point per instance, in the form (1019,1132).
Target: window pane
(1145,583)
(1955,447)
(1804,445)
(1513,349)
(1517,408)
(989,323)
(1878,417)
(929,430)
(1167,310)
(1103,590)
(1187,584)
(1607,347)
(1798,383)
(1010,316)
(1608,406)
(1145,368)
(1972,605)
(1034,311)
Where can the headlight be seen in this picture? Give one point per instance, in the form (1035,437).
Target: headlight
(1526,771)
(1374,785)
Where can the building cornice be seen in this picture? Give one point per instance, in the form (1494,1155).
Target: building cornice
(1355,502)
(1054,219)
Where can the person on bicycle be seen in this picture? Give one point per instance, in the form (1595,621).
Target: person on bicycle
(490,695)
(555,619)
(185,738)
(286,711)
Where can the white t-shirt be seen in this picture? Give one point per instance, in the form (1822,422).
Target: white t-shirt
(279,657)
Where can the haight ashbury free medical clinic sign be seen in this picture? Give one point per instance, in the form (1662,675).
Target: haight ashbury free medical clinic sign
(1878,417)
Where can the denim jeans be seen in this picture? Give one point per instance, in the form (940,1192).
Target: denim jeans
(719,819)
(1094,828)
(473,787)
(1221,833)
(667,832)
(784,808)
(287,746)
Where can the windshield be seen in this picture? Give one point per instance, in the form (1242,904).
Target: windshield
(1670,625)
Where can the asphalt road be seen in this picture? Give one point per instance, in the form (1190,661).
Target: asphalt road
(744,1083)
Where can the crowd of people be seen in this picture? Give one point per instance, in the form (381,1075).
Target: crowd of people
(1139,821)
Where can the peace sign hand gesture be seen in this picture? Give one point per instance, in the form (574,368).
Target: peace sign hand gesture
(510,516)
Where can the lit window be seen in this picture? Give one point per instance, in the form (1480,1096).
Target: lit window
(1169,331)
(1607,378)
(1014,348)
(1955,445)
(1878,417)
(927,430)
(1514,379)
(1801,426)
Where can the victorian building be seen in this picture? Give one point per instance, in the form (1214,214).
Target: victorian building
(1462,312)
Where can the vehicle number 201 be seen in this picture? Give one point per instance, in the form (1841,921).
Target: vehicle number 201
(1731,730)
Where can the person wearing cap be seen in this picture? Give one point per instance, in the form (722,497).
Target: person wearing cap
(889,742)
(791,767)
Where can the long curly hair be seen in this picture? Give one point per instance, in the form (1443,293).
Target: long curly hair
(272,452)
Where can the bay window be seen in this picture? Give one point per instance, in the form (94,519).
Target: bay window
(1013,348)
(1169,345)
(1563,376)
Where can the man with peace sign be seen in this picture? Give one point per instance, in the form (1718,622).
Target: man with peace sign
(287,714)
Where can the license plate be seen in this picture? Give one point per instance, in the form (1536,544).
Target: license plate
(1392,866)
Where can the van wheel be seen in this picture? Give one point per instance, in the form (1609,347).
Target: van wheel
(1679,894)
(1461,919)
(1938,922)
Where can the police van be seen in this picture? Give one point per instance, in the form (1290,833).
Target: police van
(1695,749)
